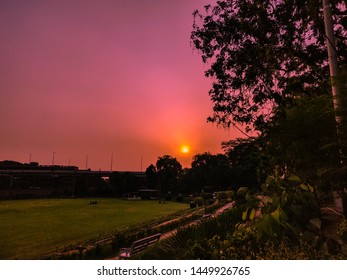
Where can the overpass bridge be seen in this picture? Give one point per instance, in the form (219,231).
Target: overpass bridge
(65,172)
(53,181)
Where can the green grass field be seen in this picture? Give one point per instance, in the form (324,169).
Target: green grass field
(30,229)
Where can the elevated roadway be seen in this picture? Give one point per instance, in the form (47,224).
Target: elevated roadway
(64,172)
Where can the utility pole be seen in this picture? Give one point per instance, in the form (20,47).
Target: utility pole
(74,185)
(141,162)
(339,100)
(111,162)
(11,183)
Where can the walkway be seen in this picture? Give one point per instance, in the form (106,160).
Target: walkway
(219,211)
(172,232)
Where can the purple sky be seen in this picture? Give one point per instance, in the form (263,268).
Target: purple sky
(104,77)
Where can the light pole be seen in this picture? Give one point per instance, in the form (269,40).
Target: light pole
(111,162)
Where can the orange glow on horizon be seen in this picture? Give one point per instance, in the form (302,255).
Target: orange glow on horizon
(89,93)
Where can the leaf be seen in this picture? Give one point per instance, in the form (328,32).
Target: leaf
(292,227)
(294,178)
(238,226)
(244,215)
(267,199)
(304,187)
(316,223)
(252,214)
(330,146)
(276,215)
(264,187)
(268,226)
(324,171)
(284,197)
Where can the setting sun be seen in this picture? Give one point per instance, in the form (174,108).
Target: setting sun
(185,149)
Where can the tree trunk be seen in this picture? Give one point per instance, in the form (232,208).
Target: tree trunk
(339,94)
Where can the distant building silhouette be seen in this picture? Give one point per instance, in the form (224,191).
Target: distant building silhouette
(32,180)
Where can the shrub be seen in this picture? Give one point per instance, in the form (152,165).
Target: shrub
(179,198)
(192,242)
(211,208)
(199,201)
(289,228)
(242,192)
(221,196)
(230,195)
(207,196)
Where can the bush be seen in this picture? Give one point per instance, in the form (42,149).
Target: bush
(211,208)
(207,196)
(289,228)
(230,195)
(242,192)
(221,196)
(179,198)
(193,242)
(199,201)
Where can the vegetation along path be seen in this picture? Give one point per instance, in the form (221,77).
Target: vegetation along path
(172,232)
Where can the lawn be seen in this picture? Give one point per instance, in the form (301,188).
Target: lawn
(33,228)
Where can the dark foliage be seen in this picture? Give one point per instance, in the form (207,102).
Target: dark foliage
(263,54)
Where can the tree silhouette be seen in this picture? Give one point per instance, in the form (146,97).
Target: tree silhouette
(263,55)
(168,170)
(210,171)
(151,174)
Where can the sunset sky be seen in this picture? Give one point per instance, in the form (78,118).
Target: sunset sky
(90,78)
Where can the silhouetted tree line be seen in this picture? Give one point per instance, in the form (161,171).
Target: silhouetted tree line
(208,173)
